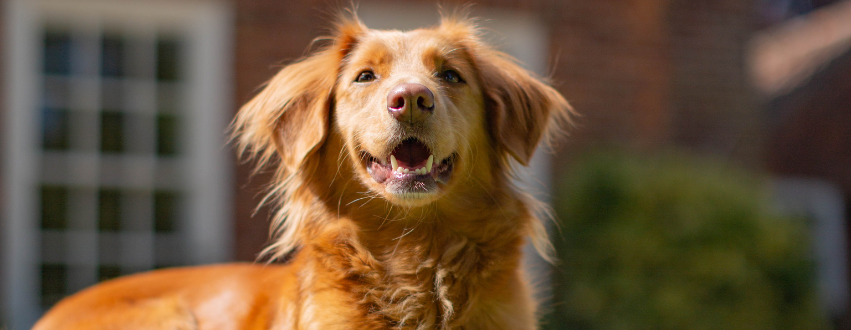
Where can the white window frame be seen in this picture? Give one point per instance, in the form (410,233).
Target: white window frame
(208,79)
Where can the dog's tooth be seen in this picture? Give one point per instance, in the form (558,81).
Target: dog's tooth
(429,163)
(393,162)
(400,169)
(421,170)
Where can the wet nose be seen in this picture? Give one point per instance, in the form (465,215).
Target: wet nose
(411,103)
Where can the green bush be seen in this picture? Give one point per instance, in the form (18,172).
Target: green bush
(670,242)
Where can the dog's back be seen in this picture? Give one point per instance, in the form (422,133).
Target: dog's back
(234,296)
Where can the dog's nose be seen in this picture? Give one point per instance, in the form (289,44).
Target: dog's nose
(410,102)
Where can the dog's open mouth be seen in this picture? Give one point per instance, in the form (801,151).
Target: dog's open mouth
(411,171)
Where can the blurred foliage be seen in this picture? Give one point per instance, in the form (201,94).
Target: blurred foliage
(669,242)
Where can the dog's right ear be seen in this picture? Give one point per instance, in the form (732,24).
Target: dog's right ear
(522,108)
(290,116)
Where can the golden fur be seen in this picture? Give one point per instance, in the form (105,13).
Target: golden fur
(362,254)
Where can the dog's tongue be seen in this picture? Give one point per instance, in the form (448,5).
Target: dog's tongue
(411,154)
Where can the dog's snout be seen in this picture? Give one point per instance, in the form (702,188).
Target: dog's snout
(410,102)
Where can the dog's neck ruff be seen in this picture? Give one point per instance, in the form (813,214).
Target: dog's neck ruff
(424,284)
(427,274)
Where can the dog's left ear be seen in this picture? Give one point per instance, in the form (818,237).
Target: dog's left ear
(521,108)
(290,116)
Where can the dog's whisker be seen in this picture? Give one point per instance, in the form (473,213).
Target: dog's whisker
(355,200)
(386,217)
(340,158)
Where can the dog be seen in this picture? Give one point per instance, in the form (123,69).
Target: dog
(393,155)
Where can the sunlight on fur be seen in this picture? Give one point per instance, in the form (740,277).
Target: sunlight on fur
(393,196)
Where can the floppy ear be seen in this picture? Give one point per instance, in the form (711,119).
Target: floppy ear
(521,108)
(290,116)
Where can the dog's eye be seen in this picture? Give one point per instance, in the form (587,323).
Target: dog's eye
(451,76)
(365,76)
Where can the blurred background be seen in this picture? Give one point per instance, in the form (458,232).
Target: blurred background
(703,186)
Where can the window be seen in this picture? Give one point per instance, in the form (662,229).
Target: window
(115,134)
(127,134)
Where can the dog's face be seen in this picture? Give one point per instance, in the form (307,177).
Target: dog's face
(415,113)
(409,107)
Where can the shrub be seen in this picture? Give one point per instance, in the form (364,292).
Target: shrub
(670,242)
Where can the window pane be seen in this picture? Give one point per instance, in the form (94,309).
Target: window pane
(166,208)
(109,210)
(53,279)
(168,53)
(55,126)
(54,207)
(167,131)
(112,56)
(112,132)
(57,52)
(108,272)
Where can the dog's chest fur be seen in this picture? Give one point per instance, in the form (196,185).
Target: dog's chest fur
(418,284)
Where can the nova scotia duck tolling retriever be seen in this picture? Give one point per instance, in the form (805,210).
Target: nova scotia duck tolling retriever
(393,190)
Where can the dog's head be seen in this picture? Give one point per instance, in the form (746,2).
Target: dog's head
(416,113)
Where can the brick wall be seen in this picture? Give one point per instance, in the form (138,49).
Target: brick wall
(712,106)
(614,66)
(268,34)
(658,74)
